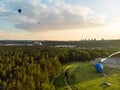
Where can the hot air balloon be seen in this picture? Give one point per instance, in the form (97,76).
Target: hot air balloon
(99,67)
(19,10)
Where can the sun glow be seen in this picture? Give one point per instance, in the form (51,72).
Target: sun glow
(114,27)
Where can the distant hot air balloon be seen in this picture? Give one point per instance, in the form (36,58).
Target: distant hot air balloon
(19,10)
(99,67)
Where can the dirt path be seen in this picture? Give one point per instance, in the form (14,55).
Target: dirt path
(53,80)
(65,81)
(112,66)
(65,78)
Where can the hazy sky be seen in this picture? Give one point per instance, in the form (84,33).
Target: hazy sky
(59,19)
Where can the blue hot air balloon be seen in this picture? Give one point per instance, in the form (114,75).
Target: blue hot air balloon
(99,67)
(19,10)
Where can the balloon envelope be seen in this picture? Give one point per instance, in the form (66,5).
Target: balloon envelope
(19,10)
(99,67)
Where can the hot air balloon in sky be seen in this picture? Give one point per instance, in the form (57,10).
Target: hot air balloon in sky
(19,10)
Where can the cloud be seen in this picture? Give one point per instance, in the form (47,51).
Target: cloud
(6,35)
(2,9)
(12,35)
(56,15)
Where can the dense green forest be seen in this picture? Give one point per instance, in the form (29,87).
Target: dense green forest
(34,67)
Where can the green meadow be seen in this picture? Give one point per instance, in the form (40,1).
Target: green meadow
(82,76)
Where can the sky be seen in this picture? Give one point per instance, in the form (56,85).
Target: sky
(59,19)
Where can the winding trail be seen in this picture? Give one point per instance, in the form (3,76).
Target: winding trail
(53,80)
(65,81)
(65,78)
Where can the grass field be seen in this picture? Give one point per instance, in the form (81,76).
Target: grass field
(59,82)
(86,78)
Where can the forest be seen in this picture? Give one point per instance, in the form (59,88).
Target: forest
(34,67)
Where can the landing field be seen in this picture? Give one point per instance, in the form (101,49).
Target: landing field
(83,76)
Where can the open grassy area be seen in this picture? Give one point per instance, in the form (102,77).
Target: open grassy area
(59,82)
(86,78)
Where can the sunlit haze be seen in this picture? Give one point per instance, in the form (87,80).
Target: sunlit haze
(59,19)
